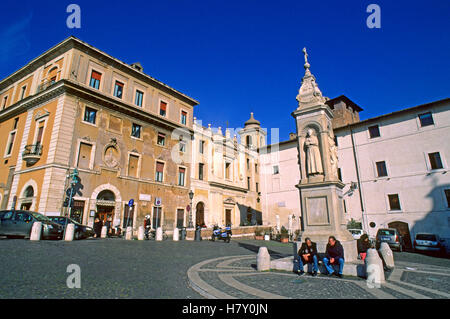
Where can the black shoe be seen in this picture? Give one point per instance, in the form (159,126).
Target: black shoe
(314,274)
(339,275)
(301,273)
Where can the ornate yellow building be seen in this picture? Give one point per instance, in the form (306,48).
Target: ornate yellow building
(75,106)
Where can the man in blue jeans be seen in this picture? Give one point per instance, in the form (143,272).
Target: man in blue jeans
(308,254)
(334,255)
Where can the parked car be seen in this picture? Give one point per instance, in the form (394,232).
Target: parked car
(390,236)
(81,231)
(19,223)
(429,243)
(356,233)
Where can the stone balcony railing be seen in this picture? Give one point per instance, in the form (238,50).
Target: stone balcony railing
(32,153)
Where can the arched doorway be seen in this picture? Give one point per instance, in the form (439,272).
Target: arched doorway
(403,230)
(106,202)
(200,214)
(27,199)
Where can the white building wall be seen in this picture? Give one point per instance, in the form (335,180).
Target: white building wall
(404,146)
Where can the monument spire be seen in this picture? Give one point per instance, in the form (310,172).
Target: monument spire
(309,93)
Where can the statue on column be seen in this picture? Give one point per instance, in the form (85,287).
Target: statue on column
(313,159)
(333,156)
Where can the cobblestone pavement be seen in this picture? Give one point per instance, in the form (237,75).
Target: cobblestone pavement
(235,277)
(116,268)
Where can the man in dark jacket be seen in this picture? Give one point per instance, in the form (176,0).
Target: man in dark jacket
(334,256)
(307,254)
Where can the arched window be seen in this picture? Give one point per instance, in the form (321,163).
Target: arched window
(29,192)
(249,140)
(106,195)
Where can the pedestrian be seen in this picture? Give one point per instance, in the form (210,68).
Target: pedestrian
(308,254)
(334,255)
(363,244)
(147,226)
(108,225)
(98,224)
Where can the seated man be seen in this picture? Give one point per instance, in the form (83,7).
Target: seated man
(308,254)
(334,256)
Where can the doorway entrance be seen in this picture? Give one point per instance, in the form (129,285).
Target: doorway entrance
(200,214)
(403,230)
(106,202)
(227,217)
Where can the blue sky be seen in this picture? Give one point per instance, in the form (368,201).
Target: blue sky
(241,56)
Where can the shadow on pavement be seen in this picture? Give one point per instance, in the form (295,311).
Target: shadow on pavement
(255,249)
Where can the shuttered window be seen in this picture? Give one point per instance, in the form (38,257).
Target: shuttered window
(159,171)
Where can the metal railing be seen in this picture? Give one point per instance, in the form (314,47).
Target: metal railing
(33,149)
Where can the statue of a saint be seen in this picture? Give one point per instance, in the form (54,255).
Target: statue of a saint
(333,156)
(313,159)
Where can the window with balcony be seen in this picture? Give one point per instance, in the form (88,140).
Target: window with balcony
(95,79)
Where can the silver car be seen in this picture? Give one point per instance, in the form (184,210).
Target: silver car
(429,243)
(15,223)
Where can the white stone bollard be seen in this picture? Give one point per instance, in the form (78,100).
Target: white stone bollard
(36,231)
(159,234)
(176,234)
(141,233)
(104,232)
(388,256)
(263,259)
(129,233)
(70,231)
(374,269)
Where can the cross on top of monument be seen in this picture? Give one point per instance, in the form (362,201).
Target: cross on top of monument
(306,65)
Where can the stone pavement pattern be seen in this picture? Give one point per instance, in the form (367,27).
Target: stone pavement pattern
(115,268)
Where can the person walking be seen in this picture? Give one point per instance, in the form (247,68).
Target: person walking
(108,225)
(147,226)
(334,256)
(308,254)
(98,224)
(363,244)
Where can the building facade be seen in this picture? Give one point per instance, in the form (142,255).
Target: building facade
(77,107)
(225,175)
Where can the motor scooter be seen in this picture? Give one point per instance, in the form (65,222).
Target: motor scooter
(222,233)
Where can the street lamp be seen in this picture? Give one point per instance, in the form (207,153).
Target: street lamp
(191,196)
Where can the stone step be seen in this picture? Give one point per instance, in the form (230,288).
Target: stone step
(355,268)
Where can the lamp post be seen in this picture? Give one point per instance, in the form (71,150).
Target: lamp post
(191,196)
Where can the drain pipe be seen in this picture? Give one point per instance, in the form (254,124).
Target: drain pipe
(364,218)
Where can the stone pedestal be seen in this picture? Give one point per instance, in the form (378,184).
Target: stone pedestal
(36,231)
(176,234)
(70,230)
(159,234)
(263,259)
(104,232)
(141,233)
(387,255)
(129,233)
(374,268)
